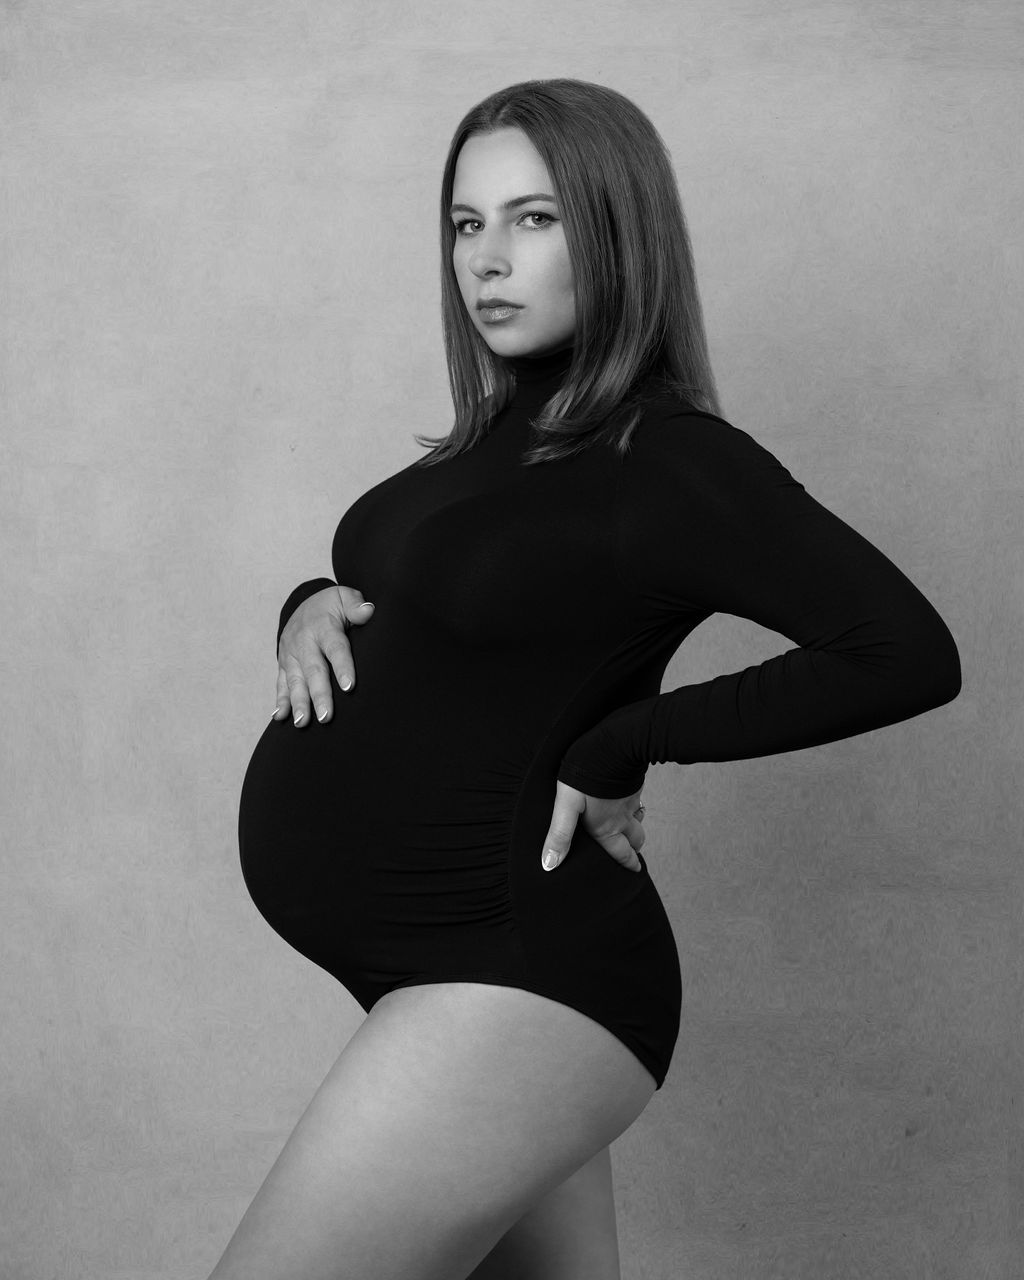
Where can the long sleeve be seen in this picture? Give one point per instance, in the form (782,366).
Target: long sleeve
(708,520)
(302,592)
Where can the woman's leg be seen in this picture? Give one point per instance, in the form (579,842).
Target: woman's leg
(451,1112)
(569,1235)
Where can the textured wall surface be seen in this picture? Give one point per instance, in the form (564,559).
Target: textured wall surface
(207,212)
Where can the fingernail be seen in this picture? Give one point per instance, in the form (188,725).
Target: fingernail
(346,684)
(321,715)
(550,860)
(297,717)
(367,604)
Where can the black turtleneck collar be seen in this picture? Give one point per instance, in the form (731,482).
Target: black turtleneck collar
(539,376)
(538,368)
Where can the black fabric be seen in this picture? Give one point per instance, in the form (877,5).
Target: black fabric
(524,620)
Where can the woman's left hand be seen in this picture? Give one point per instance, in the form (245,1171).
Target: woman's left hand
(614,824)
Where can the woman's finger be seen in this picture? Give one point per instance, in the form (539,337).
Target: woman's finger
(635,833)
(569,804)
(298,693)
(338,653)
(318,683)
(283,701)
(622,849)
(355,608)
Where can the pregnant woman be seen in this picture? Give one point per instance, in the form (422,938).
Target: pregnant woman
(445,811)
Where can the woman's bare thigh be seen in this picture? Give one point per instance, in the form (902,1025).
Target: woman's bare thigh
(569,1234)
(451,1111)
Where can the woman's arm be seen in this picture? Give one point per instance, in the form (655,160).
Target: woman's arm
(708,521)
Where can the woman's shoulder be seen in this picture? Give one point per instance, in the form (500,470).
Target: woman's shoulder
(679,444)
(672,421)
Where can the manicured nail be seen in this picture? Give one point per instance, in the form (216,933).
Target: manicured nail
(298,716)
(322,715)
(550,860)
(367,604)
(346,684)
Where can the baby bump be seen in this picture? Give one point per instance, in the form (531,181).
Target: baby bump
(360,862)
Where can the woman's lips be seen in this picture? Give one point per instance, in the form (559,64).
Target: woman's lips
(494,315)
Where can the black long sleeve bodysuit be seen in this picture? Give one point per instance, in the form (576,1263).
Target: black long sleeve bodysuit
(524,620)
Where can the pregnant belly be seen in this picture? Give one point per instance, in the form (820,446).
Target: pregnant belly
(362,853)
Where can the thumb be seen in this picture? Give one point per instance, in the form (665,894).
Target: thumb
(569,803)
(355,608)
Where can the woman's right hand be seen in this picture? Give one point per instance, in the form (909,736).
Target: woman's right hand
(313,636)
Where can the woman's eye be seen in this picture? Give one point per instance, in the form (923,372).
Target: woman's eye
(466,221)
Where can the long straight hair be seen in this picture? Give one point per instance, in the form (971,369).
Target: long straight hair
(638,310)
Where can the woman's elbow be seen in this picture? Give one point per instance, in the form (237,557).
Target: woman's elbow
(953,674)
(936,665)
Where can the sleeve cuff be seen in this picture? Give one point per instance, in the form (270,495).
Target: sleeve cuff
(603,787)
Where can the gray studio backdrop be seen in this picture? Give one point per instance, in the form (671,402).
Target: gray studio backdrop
(208,212)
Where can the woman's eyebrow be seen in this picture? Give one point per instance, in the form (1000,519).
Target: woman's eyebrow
(509,204)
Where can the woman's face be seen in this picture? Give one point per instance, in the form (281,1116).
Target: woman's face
(518,254)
